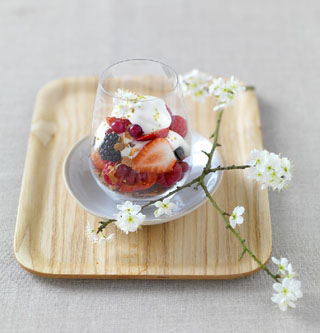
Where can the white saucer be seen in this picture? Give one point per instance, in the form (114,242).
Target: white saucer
(85,190)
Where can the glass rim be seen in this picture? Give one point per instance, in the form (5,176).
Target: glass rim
(138,59)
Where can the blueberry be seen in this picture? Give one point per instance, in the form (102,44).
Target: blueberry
(179,152)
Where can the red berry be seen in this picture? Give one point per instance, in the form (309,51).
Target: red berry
(107,179)
(163,133)
(135,131)
(142,177)
(122,171)
(175,175)
(179,125)
(107,168)
(110,120)
(108,165)
(139,185)
(131,177)
(119,125)
(170,178)
(184,166)
(162,180)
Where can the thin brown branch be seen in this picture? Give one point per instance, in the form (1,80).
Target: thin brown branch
(237,235)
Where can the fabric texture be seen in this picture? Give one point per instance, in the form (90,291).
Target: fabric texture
(273,45)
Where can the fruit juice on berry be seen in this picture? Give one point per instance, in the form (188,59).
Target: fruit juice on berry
(141,149)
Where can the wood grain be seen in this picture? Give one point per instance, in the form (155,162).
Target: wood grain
(50,230)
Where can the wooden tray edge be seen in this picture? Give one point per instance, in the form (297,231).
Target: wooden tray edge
(140,277)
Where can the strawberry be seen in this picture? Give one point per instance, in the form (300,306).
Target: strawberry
(163,133)
(155,157)
(111,120)
(179,125)
(97,161)
(139,186)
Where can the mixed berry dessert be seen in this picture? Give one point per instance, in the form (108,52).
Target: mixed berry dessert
(141,149)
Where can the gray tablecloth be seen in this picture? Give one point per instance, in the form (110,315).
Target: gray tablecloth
(273,45)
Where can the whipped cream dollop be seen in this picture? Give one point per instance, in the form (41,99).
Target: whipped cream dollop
(176,141)
(100,134)
(149,112)
(151,115)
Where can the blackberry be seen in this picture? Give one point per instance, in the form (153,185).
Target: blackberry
(107,151)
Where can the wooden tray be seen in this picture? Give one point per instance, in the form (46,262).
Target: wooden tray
(50,235)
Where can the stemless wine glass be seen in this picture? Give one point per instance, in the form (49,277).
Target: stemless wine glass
(140,140)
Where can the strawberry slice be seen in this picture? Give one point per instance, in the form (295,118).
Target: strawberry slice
(179,125)
(155,157)
(163,133)
(97,161)
(140,186)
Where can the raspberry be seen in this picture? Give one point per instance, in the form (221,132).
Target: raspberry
(131,177)
(179,125)
(170,178)
(122,171)
(173,176)
(142,177)
(162,180)
(184,167)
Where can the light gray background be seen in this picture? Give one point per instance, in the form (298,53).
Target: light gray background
(271,44)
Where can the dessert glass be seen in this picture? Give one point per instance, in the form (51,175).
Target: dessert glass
(140,143)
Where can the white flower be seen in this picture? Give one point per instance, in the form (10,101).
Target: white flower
(225,91)
(129,222)
(284,268)
(105,238)
(290,273)
(282,264)
(164,207)
(196,84)
(92,235)
(200,86)
(288,291)
(236,216)
(269,169)
(124,103)
(124,95)
(129,219)
(129,208)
